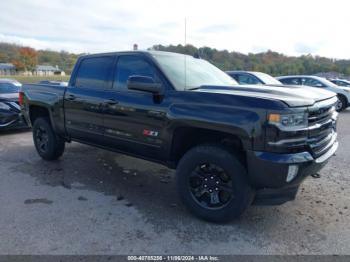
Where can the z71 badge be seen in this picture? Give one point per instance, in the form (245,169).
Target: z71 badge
(147,132)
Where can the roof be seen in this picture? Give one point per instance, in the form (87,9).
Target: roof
(151,52)
(242,72)
(46,68)
(293,76)
(7,66)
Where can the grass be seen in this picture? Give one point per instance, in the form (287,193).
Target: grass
(35,79)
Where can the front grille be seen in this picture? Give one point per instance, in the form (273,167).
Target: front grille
(322,123)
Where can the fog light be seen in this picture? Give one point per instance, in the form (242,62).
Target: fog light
(292,172)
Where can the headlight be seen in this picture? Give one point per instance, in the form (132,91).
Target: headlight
(3,106)
(289,122)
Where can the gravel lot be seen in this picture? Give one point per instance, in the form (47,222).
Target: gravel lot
(96,202)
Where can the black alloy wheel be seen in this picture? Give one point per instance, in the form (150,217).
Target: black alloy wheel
(41,139)
(48,144)
(213,183)
(210,186)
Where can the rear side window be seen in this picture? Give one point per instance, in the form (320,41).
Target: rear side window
(132,65)
(95,72)
(290,81)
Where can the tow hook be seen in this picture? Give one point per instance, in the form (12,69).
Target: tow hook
(316,175)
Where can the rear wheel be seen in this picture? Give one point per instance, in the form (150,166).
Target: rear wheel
(213,184)
(48,145)
(341,104)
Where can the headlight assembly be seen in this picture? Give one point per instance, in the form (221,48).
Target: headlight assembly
(289,121)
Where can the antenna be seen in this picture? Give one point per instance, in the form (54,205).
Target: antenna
(185,64)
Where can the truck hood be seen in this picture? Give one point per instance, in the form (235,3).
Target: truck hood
(293,96)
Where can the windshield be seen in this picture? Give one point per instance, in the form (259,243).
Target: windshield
(267,79)
(6,88)
(187,72)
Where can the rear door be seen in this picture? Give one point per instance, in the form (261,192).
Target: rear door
(84,100)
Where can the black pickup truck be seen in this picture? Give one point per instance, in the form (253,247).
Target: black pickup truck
(231,145)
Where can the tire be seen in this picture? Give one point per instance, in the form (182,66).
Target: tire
(342,103)
(206,157)
(48,145)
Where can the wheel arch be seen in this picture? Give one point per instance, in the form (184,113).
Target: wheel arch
(36,111)
(184,138)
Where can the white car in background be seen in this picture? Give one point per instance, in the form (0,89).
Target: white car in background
(319,82)
(253,78)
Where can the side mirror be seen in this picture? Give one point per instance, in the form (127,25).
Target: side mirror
(144,83)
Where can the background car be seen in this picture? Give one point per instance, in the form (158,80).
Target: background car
(10,111)
(340,82)
(253,78)
(319,82)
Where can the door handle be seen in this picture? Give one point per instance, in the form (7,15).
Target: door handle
(71,97)
(111,102)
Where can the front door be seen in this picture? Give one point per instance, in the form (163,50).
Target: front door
(135,120)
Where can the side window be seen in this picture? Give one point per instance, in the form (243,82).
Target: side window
(341,83)
(95,72)
(244,79)
(345,83)
(235,77)
(312,82)
(290,81)
(129,65)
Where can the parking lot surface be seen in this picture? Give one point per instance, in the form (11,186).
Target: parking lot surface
(96,202)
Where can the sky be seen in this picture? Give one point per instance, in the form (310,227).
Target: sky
(291,27)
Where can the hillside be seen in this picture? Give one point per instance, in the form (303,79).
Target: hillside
(269,62)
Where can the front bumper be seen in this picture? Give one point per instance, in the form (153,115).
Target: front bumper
(268,173)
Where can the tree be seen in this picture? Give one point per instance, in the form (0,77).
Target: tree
(19,65)
(28,58)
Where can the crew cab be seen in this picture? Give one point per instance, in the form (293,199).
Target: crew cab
(231,145)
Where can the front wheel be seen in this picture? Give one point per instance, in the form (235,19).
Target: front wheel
(48,145)
(341,104)
(213,184)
